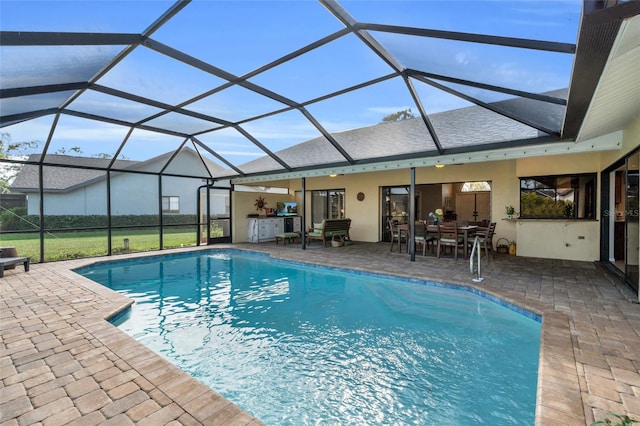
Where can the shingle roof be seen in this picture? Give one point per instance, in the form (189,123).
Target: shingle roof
(456,128)
(63,178)
(66,178)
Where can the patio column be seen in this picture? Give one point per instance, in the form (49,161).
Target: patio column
(304,214)
(412,214)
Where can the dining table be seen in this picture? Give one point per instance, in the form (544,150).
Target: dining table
(465,230)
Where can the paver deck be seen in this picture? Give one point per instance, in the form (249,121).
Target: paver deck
(62,363)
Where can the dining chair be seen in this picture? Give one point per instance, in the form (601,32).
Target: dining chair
(420,232)
(422,237)
(395,234)
(485,238)
(448,237)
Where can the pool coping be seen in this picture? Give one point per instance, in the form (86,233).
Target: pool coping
(559,399)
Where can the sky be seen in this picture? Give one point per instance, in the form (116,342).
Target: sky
(242,36)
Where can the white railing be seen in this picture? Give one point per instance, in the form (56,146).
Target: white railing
(475,249)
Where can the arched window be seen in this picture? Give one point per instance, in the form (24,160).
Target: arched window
(475,186)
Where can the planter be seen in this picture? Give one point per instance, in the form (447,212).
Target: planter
(8,252)
(502,246)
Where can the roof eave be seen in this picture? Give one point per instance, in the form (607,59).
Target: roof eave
(598,32)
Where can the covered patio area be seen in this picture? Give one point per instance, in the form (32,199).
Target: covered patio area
(61,363)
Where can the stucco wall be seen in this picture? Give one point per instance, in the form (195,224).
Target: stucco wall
(630,141)
(138,190)
(131,193)
(571,240)
(366,214)
(84,201)
(559,239)
(243,204)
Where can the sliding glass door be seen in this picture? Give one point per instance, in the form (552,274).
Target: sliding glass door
(395,207)
(327,204)
(631,221)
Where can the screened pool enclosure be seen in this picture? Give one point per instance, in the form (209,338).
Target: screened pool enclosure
(126,125)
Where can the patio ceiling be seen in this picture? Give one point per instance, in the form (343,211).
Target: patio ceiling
(273,88)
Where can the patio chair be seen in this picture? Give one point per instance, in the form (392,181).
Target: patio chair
(448,237)
(396,234)
(485,238)
(422,237)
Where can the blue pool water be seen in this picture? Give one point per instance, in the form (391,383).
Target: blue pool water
(294,344)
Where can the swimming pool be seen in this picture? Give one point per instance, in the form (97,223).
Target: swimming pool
(294,344)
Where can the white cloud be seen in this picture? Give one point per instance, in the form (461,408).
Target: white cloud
(462,58)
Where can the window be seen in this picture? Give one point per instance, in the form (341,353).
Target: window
(558,197)
(170,204)
(328,204)
(475,186)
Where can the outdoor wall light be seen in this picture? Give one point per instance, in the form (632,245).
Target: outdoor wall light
(439,166)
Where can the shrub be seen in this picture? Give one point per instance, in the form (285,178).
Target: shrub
(13,219)
(17,219)
(538,206)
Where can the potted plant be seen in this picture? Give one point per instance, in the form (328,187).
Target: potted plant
(510,211)
(436,216)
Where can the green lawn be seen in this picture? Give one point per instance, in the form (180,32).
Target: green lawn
(81,244)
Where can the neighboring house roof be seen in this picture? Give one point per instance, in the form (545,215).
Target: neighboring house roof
(62,178)
(81,174)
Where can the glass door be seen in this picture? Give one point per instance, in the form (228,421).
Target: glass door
(395,207)
(327,204)
(631,221)
(214,215)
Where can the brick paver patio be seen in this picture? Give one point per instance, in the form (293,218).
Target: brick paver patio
(62,363)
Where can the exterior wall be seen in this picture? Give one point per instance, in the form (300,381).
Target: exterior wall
(558,239)
(570,240)
(630,141)
(132,189)
(84,201)
(33,204)
(243,204)
(132,193)
(365,215)
(186,189)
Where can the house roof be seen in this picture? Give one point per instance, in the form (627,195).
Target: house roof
(63,178)
(459,129)
(197,76)
(85,171)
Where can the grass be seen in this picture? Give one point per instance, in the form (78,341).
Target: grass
(81,244)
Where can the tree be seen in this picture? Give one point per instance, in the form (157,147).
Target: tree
(397,116)
(9,149)
(65,151)
(16,150)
